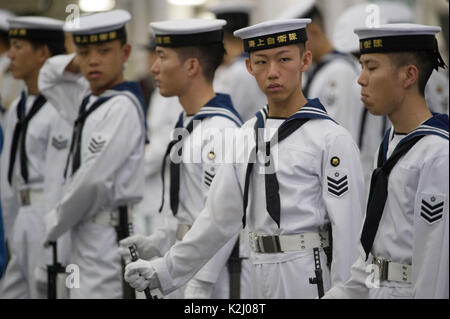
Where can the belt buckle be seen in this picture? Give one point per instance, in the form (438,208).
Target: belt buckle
(383,266)
(269,244)
(25,197)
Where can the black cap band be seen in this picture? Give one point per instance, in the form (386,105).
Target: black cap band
(85,39)
(403,43)
(38,35)
(182,40)
(275,40)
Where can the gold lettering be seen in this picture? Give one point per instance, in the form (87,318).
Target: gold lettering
(251,44)
(378,43)
(292,36)
(282,38)
(270,41)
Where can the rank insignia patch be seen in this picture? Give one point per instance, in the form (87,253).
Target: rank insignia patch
(209,176)
(337,183)
(96,144)
(432,208)
(59,142)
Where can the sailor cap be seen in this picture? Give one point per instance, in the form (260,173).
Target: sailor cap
(273,34)
(400,37)
(99,27)
(188,32)
(36,28)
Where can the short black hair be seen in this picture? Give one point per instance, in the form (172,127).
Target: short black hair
(316,16)
(209,57)
(421,59)
(55,47)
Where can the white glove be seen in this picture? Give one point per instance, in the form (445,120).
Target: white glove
(144,246)
(198,289)
(140,274)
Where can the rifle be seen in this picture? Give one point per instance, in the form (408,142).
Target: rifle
(318,280)
(52,273)
(123,230)
(234,269)
(134,257)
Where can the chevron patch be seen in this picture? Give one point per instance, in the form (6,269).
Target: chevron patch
(337,183)
(432,208)
(60,142)
(209,176)
(96,144)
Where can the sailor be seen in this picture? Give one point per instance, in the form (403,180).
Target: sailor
(162,116)
(310,177)
(27,135)
(104,168)
(231,76)
(332,73)
(192,50)
(371,128)
(404,238)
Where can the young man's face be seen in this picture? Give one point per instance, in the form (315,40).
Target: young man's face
(169,72)
(102,64)
(381,88)
(278,71)
(25,59)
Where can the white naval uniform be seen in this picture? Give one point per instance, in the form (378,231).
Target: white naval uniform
(197,168)
(24,225)
(331,85)
(303,165)
(110,175)
(162,115)
(406,233)
(234,79)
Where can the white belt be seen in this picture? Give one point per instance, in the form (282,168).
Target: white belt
(182,229)
(30,197)
(391,271)
(283,243)
(109,218)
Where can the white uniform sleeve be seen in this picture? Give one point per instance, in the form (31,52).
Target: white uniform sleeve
(343,195)
(91,186)
(64,90)
(430,253)
(165,237)
(355,287)
(220,220)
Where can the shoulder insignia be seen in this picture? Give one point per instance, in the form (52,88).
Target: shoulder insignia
(432,208)
(96,144)
(59,142)
(337,183)
(209,176)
